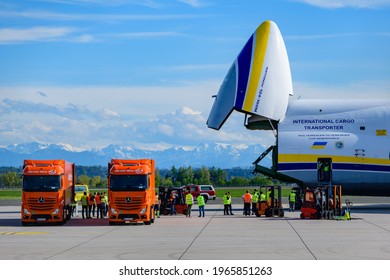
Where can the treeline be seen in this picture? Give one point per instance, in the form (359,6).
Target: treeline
(96,176)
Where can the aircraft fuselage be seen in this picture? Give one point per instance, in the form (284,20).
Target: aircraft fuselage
(353,135)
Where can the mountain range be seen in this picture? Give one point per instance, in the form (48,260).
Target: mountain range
(206,154)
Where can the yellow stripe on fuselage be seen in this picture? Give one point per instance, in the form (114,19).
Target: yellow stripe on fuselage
(261,39)
(290,158)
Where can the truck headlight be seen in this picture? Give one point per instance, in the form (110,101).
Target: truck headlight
(26,211)
(143,211)
(113,211)
(55,212)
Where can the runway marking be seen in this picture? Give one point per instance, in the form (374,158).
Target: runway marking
(22,232)
(300,237)
(196,237)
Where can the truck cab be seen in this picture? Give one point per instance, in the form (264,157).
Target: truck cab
(131,191)
(47,191)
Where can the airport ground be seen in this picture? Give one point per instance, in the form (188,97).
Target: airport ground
(215,237)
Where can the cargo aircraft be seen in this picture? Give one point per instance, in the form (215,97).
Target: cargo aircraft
(317,142)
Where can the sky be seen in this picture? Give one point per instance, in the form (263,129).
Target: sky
(90,73)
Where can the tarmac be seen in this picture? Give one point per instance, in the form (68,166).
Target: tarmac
(215,237)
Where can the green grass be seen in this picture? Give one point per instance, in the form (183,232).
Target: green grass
(235,192)
(238,192)
(11,194)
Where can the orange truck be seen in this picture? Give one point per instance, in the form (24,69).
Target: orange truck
(47,191)
(131,191)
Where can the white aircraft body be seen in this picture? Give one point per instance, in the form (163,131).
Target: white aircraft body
(318,142)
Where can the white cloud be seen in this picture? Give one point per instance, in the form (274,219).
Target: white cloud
(347,3)
(166,129)
(134,102)
(109,113)
(195,3)
(12,35)
(48,15)
(138,35)
(147,117)
(189,111)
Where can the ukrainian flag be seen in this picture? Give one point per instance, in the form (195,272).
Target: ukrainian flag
(319,145)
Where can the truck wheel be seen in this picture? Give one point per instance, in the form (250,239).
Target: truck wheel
(152,215)
(64,216)
(68,213)
(150,218)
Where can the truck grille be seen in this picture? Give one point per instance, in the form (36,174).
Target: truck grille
(35,204)
(123,203)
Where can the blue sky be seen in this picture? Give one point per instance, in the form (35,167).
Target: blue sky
(90,73)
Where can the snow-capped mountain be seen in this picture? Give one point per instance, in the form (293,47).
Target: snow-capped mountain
(207,154)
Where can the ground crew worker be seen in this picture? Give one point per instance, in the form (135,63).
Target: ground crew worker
(84,205)
(269,194)
(189,202)
(172,202)
(157,206)
(291,201)
(326,172)
(262,196)
(255,199)
(103,198)
(74,203)
(94,204)
(247,197)
(107,202)
(91,203)
(99,208)
(226,199)
(230,203)
(201,204)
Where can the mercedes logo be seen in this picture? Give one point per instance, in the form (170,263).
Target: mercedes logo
(41,200)
(128,199)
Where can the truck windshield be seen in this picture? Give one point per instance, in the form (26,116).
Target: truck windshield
(128,182)
(41,183)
